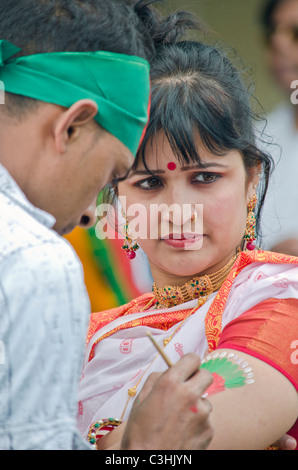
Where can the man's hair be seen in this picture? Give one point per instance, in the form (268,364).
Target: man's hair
(41,26)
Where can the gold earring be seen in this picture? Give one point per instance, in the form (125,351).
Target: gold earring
(250,232)
(130,246)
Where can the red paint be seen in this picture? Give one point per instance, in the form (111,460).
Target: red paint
(194,409)
(218,384)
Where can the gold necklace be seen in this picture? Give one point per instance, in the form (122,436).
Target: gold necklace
(199,287)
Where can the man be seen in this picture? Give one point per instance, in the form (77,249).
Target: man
(72,121)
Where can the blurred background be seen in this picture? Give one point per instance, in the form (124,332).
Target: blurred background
(110,277)
(237,24)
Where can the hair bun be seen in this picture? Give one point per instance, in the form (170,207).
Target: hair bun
(166,30)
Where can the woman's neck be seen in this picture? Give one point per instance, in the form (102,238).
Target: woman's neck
(163,278)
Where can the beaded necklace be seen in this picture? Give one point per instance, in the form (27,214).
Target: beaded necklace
(200,287)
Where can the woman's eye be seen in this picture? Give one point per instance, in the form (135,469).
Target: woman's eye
(204,177)
(149,183)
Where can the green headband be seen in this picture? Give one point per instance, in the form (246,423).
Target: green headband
(118,83)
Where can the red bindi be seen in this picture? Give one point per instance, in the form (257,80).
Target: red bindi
(171,166)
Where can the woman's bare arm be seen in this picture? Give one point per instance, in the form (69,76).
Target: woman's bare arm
(255,415)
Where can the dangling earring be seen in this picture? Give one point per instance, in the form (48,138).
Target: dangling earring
(250,232)
(130,246)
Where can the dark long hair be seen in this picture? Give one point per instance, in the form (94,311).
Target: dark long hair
(197,90)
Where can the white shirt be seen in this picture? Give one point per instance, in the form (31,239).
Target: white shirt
(280,212)
(44,311)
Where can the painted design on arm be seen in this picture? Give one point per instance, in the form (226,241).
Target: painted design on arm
(228,370)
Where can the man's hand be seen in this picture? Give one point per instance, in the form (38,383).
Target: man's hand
(286,442)
(170,412)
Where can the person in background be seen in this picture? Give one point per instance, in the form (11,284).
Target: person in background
(280,213)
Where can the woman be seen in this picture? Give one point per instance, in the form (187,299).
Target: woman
(214,293)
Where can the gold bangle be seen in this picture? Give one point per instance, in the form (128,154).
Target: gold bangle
(100,428)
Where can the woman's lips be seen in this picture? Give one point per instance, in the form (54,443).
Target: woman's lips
(182,240)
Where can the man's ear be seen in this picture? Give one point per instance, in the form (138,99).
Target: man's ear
(67,126)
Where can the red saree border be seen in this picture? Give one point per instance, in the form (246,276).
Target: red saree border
(99,319)
(162,321)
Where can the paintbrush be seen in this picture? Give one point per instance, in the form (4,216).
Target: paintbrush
(161,352)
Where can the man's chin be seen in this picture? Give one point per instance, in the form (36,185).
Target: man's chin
(64,230)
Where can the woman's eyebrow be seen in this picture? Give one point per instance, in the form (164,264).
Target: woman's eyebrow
(184,168)
(145,172)
(204,166)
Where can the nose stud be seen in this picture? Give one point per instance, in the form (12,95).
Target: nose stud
(194,216)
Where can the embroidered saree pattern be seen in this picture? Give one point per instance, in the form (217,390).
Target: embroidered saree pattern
(162,321)
(99,319)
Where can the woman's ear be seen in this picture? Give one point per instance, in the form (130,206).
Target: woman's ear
(253,182)
(68,125)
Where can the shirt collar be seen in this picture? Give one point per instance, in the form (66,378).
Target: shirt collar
(9,187)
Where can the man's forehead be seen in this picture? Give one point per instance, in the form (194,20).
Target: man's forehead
(123,163)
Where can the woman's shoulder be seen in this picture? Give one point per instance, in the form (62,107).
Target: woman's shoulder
(256,277)
(266,257)
(274,268)
(252,267)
